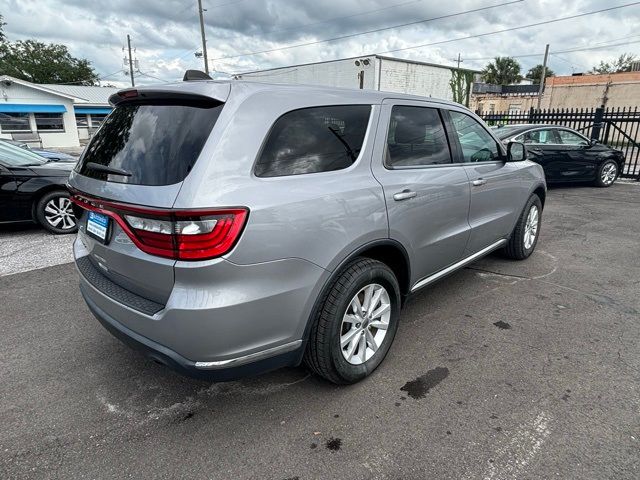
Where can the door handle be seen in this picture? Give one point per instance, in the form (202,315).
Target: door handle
(478,182)
(404,195)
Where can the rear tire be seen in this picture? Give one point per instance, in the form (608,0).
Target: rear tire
(607,174)
(355,324)
(54,212)
(524,238)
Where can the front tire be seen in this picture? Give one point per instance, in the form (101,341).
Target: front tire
(607,174)
(524,238)
(54,213)
(356,322)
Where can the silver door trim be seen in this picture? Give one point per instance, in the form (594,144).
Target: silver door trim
(252,357)
(451,268)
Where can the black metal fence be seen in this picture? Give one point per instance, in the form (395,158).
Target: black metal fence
(618,128)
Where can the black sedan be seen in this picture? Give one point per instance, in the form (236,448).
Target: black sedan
(566,155)
(33,188)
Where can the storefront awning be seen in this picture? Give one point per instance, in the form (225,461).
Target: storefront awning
(30,108)
(96,110)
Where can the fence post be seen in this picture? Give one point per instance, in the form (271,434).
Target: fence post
(597,123)
(531,114)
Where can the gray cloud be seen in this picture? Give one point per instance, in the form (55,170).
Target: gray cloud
(166,33)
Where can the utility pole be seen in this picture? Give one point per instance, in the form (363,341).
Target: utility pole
(459,60)
(133,84)
(204,41)
(542,75)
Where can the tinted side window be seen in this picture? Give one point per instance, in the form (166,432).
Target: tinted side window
(538,137)
(416,137)
(311,140)
(477,144)
(570,138)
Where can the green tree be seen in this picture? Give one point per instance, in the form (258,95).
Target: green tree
(460,84)
(2,35)
(502,71)
(535,72)
(43,63)
(621,64)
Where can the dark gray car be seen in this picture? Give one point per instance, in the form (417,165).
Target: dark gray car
(229,228)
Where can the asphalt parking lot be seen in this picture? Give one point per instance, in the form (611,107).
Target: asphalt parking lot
(501,371)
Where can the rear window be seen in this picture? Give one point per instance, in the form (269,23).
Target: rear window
(157,144)
(312,140)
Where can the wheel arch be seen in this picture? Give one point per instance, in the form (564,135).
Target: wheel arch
(35,199)
(541,192)
(388,251)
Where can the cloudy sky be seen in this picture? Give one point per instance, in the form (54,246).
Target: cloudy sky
(166,32)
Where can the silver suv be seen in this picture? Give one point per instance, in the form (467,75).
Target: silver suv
(229,228)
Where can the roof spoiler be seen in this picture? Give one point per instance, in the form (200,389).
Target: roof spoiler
(190,75)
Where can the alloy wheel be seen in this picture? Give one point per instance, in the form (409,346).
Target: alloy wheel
(59,213)
(609,172)
(365,324)
(531,227)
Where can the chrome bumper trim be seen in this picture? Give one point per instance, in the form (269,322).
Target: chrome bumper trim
(252,357)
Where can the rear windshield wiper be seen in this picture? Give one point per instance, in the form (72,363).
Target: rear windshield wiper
(103,168)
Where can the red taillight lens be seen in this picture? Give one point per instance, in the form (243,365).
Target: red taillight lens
(209,235)
(178,234)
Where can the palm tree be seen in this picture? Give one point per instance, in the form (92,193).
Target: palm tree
(534,73)
(502,71)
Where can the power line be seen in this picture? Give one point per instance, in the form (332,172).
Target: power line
(151,76)
(511,29)
(104,77)
(313,24)
(351,35)
(573,64)
(210,8)
(568,50)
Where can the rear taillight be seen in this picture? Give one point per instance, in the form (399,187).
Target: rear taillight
(178,234)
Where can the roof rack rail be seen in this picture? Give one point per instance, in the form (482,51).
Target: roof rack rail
(190,75)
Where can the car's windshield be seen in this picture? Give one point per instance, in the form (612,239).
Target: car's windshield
(13,156)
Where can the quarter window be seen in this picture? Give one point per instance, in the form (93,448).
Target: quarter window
(477,144)
(14,122)
(416,138)
(571,138)
(49,121)
(312,140)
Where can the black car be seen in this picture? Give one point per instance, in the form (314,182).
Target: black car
(566,155)
(33,188)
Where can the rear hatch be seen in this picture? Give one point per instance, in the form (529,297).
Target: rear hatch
(129,176)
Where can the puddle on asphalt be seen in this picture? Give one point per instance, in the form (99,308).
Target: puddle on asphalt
(502,325)
(334,444)
(419,387)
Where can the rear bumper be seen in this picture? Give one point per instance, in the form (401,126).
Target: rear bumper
(260,362)
(222,321)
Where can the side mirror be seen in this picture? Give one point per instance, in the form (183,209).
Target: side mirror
(516,152)
(593,142)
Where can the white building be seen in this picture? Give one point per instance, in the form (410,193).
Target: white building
(51,115)
(371,72)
